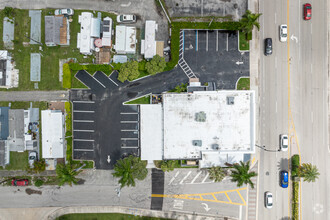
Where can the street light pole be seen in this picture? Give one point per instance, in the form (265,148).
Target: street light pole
(263,148)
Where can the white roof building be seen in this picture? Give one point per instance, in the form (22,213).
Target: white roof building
(214,127)
(52,124)
(148,45)
(90,28)
(125,39)
(8,74)
(106,32)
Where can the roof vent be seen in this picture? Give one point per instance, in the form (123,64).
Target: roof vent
(230,100)
(215,146)
(200,116)
(197,143)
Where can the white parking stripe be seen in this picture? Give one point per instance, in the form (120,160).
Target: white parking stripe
(128,139)
(133,147)
(83,140)
(83,130)
(217,41)
(83,111)
(89,121)
(98,81)
(83,149)
(196,177)
(207,40)
(207,175)
(86,102)
(197,40)
(128,113)
(184,178)
(173,178)
(227,43)
(128,121)
(128,130)
(113,81)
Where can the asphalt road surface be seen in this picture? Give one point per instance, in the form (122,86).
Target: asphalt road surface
(293,100)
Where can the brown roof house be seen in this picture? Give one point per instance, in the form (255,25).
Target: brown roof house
(57,30)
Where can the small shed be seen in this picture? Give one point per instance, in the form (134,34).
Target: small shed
(35,67)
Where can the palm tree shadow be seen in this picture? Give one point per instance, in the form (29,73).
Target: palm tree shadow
(285,218)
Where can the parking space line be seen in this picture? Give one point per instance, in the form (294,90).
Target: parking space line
(196,177)
(98,81)
(83,111)
(83,149)
(241,196)
(83,140)
(129,130)
(128,121)
(124,139)
(113,81)
(196,40)
(83,130)
(207,175)
(128,113)
(88,121)
(132,147)
(207,40)
(184,178)
(227,43)
(227,197)
(86,102)
(216,42)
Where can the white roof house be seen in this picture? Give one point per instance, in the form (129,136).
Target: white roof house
(90,28)
(214,127)
(8,74)
(106,32)
(52,124)
(148,45)
(125,39)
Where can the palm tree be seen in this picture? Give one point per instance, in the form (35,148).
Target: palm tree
(248,21)
(67,174)
(240,174)
(217,174)
(309,172)
(129,169)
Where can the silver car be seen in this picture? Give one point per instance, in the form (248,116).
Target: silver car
(33,156)
(283,32)
(284,142)
(268,200)
(64,11)
(126,18)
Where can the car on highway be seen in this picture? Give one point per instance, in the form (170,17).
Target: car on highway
(64,11)
(126,18)
(284,179)
(268,200)
(268,46)
(284,142)
(307,11)
(21,182)
(33,156)
(283,32)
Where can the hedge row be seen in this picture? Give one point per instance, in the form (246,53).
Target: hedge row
(66,76)
(295,163)
(68,134)
(295,201)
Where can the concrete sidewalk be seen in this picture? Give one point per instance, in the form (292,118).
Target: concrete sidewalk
(51,213)
(34,96)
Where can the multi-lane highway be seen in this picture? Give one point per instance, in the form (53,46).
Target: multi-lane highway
(293,100)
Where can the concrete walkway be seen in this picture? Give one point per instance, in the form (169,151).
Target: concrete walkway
(51,213)
(34,96)
(7,173)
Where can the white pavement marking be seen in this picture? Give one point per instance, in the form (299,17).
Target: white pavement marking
(131,147)
(98,81)
(184,178)
(83,111)
(312,116)
(275,18)
(128,121)
(113,81)
(197,40)
(83,140)
(173,178)
(240,213)
(128,130)
(207,175)
(196,177)
(128,113)
(207,40)
(88,121)
(128,139)
(83,130)
(217,41)
(275,62)
(83,149)
(85,102)
(276,106)
(227,43)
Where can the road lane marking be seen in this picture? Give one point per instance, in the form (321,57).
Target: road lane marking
(207,40)
(276,106)
(131,147)
(217,41)
(196,40)
(83,130)
(128,113)
(128,121)
(184,178)
(129,130)
(87,121)
(312,116)
(83,140)
(85,102)
(275,18)
(196,177)
(227,43)
(127,139)
(83,111)
(83,149)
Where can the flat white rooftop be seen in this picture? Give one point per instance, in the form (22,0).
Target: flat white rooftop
(149,44)
(215,121)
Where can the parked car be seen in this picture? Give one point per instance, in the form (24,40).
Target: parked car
(22,182)
(284,179)
(283,32)
(268,46)
(33,156)
(307,11)
(64,11)
(268,200)
(284,142)
(126,18)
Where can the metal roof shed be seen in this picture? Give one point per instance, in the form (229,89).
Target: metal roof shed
(4,123)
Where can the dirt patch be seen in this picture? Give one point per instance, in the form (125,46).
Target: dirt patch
(30,191)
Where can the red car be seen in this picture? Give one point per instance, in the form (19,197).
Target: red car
(23,182)
(307,11)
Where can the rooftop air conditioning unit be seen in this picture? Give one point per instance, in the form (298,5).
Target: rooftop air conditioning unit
(230,100)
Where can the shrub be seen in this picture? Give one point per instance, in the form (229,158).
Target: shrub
(295,163)
(77,67)
(142,65)
(116,66)
(68,118)
(9,12)
(39,166)
(66,76)
(295,201)
(92,68)
(38,182)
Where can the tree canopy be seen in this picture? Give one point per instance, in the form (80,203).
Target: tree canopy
(216,173)
(128,71)
(155,65)
(248,21)
(67,174)
(309,172)
(240,174)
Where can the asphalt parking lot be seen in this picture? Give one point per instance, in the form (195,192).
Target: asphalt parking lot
(213,56)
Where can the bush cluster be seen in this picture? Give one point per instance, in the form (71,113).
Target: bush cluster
(295,163)
(295,201)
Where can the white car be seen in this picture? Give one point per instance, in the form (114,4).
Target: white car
(268,200)
(64,11)
(126,18)
(284,142)
(283,32)
(32,157)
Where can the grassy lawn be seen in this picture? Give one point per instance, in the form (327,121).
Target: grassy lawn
(243,42)
(18,161)
(104,216)
(243,84)
(142,100)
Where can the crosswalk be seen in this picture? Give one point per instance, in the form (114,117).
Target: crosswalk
(252,196)
(182,63)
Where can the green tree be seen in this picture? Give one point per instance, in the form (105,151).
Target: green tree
(67,174)
(128,71)
(309,172)
(240,174)
(216,173)
(9,12)
(155,65)
(39,166)
(129,169)
(168,165)
(248,21)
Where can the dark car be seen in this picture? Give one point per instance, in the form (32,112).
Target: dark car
(22,182)
(284,179)
(307,11)
(268,46)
